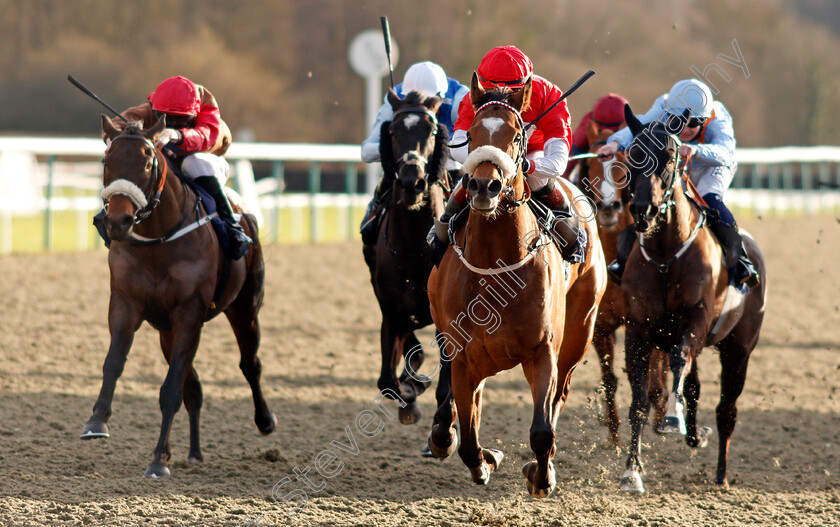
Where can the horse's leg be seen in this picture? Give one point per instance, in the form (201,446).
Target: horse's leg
(680,358)
(637,350)
(413,355)
(187,321)
(390,358)
(246,328)
(193,399)
(733,360)
(443,440)
(604,342)
(694,438)
(541,373)
(656,386)
(467,393)
(123,322)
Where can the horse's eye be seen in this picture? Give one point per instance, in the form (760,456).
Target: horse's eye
(518,138)
(148,165)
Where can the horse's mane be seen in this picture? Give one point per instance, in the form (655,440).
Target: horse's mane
(415,98)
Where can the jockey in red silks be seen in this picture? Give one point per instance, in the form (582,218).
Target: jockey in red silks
(197,137)
(549,140)
(607,114)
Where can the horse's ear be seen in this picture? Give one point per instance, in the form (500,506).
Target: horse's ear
(393,98)
(592,134)
(153,132)
(522,99)
(633,122)
(476,91)
(433,103)
(108,127)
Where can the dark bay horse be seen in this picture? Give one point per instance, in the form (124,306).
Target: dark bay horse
(503,295)
(413,149)
(679,298)
(170,282)
(607,184)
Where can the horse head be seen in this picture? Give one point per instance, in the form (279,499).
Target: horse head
(133,175)
(413,146)
(605,182)
(497,145)
(653,158)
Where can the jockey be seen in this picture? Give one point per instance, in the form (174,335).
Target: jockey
(607,114)
(430,79)
(708,142)
(197,137)
(548,145)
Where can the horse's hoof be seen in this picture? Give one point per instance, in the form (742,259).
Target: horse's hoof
(410,414)
(195,459)
(673,424)
(95,430)
(156,470)
(426,451)
(529,470)
(443,453)
(631,481)
(266,427)
(481,474)
(493,457)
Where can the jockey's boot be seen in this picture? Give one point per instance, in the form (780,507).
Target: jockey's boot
(735,256)
(369,228)
(624,245)
(438,237)
(237,239)
(564,229)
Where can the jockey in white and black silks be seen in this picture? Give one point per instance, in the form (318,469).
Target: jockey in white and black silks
(430,79)
(708,145)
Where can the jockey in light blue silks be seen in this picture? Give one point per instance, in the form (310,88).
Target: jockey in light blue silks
(708,142)
(430,79)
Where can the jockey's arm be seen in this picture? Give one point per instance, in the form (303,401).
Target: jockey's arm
(370,146)
(553,163)
(202,136)
(624,136)
(719,146)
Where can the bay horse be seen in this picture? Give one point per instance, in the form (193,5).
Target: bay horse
(413,151)
(679,298)
(170,279)
(607,184)
(508,297)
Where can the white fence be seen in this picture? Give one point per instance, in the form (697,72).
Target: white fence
(49,188)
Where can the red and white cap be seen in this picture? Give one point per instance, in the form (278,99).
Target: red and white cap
(505,66)
(177,96)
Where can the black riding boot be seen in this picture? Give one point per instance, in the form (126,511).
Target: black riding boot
(237,239)
(566,224)
(369,228)
(736,258)
(624,245)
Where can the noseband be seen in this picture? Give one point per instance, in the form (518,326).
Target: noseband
(159,172)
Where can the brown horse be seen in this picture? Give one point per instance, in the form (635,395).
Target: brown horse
(606,183)
(171,281)
(679,298)
(508,297)
(413,149)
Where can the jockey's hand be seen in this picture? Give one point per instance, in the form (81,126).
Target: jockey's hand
(686,151)
(528,166)
(608,150)
(168,135)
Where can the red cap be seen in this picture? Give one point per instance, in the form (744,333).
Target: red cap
(609,110)
(177,96)
(505,66)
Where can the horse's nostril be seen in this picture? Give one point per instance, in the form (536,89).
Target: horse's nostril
(126,221)
(494,188)
(420,185)
(473,186)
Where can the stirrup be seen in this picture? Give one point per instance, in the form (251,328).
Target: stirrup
(239,242)
(614,271)
(746,273)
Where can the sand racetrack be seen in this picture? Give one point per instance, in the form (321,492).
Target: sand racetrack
(320,356)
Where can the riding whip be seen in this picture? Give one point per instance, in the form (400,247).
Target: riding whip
(386,33)
(94,97)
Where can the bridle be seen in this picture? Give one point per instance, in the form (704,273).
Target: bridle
(511,203)
(413,157)
(156,182)
(668,200)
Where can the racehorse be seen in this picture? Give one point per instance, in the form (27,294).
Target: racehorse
(502,263)
(413,151)
(168,270)
(679,298)
(606,183)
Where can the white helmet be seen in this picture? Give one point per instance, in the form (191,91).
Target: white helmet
(427,77)
(691,94)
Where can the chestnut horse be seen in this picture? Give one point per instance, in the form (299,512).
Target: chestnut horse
(606,183)
(413,149)
(170,280)
(508,297)
(679,298)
